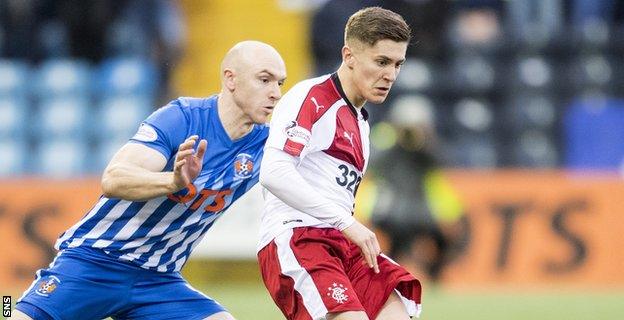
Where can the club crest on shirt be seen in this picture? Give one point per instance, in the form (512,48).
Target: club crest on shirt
(337,292)
(297,133)
(243,166)
(47,285)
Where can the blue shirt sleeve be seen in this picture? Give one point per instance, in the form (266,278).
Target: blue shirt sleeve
(164,130)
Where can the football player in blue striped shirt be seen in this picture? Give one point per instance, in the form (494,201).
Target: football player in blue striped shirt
(162,191)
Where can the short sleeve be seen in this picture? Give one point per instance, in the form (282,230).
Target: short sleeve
(164,130)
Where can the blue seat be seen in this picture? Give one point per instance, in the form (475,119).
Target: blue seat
(62,117)
(13,116)
(63,77)
(14,79)
(14,160)
(104,153)
(593,131)
(127,75)
(62,157)
(120,116)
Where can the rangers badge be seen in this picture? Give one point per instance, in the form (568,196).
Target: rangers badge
(337,292)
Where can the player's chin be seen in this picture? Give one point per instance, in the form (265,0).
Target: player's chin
(377,99)
(261,117)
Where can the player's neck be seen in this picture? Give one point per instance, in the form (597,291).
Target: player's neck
(344,74)
(234,121)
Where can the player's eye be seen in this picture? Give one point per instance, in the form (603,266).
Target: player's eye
(280,83)
(382,63)
(264,80)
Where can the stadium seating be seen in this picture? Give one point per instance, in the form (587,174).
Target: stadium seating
(472,74)
(14,157)
(126,75)
(120,116)
(13,116)
(62,77)
(61,157)
(64,116)
(124,39)
(69,115)
(15,77)
(593,133)
(53,38)
(508,101)
(417,75)
(104,153)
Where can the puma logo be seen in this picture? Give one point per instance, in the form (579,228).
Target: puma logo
(318,107)
(348,136)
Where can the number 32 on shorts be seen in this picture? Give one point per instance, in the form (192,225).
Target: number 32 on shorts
(349,179)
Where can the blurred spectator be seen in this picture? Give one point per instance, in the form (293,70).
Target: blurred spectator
(85,55)
(19,20)
(153,29)
(590,11)
(428,20)
(94,30)
(476,23)
(87,23)
(534,21)
(416,207)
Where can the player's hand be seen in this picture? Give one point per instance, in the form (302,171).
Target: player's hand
(188,163)
(367,241)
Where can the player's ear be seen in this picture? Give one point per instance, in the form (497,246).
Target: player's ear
(229,78)
(347,56)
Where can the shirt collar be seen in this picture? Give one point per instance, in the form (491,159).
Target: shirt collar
(338,85)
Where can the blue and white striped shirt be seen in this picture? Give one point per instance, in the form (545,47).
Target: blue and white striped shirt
(160,234)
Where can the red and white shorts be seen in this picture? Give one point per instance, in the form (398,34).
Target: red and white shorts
(310,272)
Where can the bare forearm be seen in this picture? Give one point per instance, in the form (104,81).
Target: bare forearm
(136,184)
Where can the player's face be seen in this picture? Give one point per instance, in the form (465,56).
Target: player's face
(258,87)
(375,68)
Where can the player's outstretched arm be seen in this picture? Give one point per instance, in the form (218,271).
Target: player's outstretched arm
(135,174)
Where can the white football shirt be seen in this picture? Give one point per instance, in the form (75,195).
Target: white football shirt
(315,122)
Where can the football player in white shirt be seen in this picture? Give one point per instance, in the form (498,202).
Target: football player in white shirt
(317,261)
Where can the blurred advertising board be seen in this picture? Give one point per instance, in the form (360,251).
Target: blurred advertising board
(33,213)
(523,227)
(540,228)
